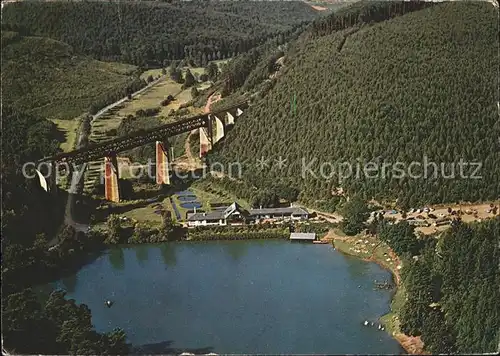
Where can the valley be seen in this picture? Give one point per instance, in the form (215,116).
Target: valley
(165,156)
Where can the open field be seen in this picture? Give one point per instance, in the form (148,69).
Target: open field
(69,128)
(151,98)
(145,214)
(217,194)
(197,71)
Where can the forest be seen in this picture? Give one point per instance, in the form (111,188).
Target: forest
(147,33)
(47,78)
(420,87)
(451,285)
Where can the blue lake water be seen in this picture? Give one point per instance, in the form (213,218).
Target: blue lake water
(269,296)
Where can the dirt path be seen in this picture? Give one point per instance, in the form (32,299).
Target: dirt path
(212,99)
(189,161)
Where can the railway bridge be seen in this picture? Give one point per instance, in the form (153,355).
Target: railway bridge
(212,127)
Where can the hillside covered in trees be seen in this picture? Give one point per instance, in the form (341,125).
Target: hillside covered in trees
(451,285)
(419,87)
(48,79)
(151,33)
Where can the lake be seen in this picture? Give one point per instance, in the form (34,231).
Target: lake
(251,296)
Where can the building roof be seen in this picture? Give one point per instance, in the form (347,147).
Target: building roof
(218,214)
(221,213)
(231,209)
(302,236)
(213,215)
(289,210)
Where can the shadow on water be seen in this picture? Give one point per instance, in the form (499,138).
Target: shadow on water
(141,253)
(164,347)
(356,268)
(236,250)
(167,252)
(116,258)
(69,283)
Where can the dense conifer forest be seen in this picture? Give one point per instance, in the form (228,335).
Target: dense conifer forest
(47,78)
(452,286)
(151,33)
(420,87)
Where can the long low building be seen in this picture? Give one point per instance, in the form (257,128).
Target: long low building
(235,214)
(302,236)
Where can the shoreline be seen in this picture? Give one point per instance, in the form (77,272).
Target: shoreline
(347,246)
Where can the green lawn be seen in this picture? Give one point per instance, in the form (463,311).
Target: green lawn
(216,193)
(391,320)
(146,214)
(69,128)
(152,98)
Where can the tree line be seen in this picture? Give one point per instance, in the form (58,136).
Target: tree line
(148,34)
(364,12)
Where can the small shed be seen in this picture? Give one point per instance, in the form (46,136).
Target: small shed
(302,236)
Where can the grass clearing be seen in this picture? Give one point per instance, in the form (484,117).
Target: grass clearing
(182,98)
(216,194)
(145,214)
(69,128)
(391,320)
(152,99)
(153,72)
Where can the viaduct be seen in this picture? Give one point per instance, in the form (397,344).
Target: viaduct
(211,126)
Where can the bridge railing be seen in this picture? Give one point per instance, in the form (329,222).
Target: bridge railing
(138,138)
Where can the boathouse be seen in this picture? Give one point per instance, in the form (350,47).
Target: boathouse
(302,236)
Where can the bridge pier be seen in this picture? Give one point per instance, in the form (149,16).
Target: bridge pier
(111,189)
(206,137)
(229,119)
(162,165)
(52,183)
(219,129)
(231,115)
